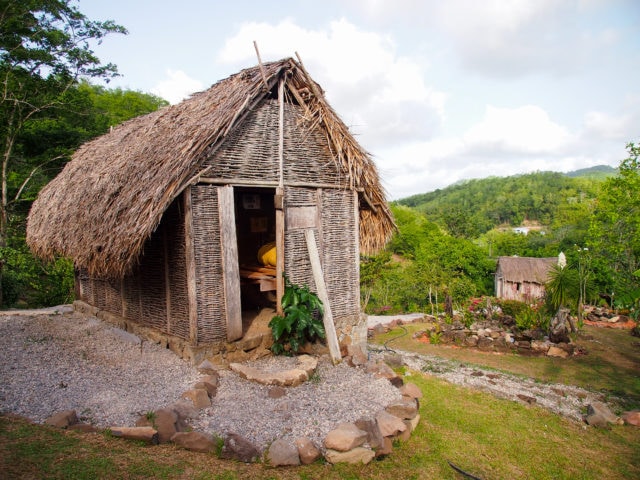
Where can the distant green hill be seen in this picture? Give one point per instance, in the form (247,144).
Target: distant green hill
(473,207)
(599,172)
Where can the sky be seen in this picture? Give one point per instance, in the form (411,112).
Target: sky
(437,91)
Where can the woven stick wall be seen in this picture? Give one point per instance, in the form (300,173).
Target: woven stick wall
(339,254)
(144,296)
(208,259)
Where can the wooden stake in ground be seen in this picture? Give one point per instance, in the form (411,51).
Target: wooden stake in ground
(318,277)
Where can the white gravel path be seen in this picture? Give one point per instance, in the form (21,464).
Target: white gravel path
(53,362)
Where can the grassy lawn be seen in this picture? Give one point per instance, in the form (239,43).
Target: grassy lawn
(611,365)
(485,436)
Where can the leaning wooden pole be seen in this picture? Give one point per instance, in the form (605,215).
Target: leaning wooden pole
(318,277)
(279,203)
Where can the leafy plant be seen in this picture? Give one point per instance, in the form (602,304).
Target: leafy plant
(528,318)
(435,338)
(563,287)
(301,321)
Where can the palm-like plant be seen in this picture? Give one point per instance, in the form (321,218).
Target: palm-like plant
(562,287)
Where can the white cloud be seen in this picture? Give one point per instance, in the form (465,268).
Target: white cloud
(606,126)
(504,142)
(511,38)
(524,130)
(381,95)
(177,86)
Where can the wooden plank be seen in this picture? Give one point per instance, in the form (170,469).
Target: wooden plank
(318,277)
(279,253)
(267,269)
(268,284)
(253,275)
(298,218)
(190,265)
(230,268)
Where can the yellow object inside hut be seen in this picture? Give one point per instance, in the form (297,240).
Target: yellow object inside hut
(267,254)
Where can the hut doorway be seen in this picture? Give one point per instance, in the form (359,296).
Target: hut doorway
(255,216)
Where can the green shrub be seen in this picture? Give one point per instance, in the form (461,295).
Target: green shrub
(31,282)
(301,321)
(513,308)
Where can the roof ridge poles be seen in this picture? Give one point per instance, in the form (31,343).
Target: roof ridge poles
(264,75)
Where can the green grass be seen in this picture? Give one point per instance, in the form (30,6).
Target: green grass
(483,435)
(611,365)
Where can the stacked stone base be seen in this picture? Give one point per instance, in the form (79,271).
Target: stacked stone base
(220,353)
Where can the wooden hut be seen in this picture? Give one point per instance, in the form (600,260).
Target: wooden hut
(522,278)
(164,215)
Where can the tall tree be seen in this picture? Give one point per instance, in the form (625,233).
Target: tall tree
(615,229)
(45,48)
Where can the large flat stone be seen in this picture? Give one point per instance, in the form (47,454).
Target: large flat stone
(390,425)
(286,378)
(346,437)
(357,455)
(283,453)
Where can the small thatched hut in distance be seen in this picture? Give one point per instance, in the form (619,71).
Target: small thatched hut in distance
(164,215)
(522,278)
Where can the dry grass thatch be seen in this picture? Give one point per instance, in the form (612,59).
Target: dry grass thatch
(111,196)
(526,269)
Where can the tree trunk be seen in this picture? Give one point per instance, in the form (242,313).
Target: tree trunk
(448,306)
(558,330)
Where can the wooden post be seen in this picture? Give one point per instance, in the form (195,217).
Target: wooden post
(230,267)
(318,277)
(279,204)
(190,264)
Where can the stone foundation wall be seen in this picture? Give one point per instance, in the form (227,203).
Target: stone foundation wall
(220,353)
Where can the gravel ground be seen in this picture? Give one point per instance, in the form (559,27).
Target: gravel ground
(332,396)
(55,362)
(50,363)
(60,360)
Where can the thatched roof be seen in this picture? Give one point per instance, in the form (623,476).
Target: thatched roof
(526,269)
(111,196)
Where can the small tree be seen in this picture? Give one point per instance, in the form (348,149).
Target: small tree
(562,287)
(44,51)
(614,234)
